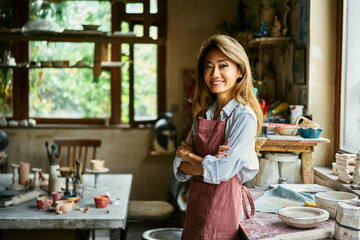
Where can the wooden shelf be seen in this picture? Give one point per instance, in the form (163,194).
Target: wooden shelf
(269,41)
(74,36)
(104,65)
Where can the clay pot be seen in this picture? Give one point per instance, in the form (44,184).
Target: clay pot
(97,164)
(72,198)
(44,202)
(66,171)
(56,196)
(101,201)
(306,123)
(24,172)
(329,200)
(64,206)
(54,181)
(347,220)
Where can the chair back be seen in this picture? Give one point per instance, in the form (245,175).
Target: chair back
(86,148)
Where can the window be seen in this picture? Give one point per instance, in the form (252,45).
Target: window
(131,94)
(349,98)
(144,69)
(57,92)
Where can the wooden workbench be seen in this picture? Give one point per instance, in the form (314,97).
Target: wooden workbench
(27,216)
(268,225)
(302,146)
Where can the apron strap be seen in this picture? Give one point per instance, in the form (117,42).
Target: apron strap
(250,201)
(232,112)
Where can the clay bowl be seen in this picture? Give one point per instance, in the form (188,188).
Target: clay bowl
(303,217)
(97,164)
(72,198)
(310,132)
(288,130)
(66,171)
(101,201)
(44,202)
(329,200)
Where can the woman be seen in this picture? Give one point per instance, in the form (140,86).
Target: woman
(224,107)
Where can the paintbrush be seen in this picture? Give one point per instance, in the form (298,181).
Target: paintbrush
(48,152)
(53,153)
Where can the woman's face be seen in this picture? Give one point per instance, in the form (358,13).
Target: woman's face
(220,73)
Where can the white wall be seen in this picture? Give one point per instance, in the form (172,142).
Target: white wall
(190,23)
(322,65)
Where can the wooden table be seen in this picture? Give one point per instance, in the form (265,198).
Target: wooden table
(269,225)
(302,146)
(27,216)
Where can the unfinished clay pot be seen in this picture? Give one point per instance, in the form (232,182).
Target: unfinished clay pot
(101,201)
(347,220)
(64,206)
(329,200)
(44,202)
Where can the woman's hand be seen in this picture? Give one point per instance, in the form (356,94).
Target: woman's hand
(223,148)
(185,149)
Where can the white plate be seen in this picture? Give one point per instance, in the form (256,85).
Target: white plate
(303,217)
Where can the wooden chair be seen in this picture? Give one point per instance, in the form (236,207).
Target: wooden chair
(76,147)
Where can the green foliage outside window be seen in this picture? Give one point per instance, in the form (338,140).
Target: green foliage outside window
(72,92)
(69,92)
(5,92)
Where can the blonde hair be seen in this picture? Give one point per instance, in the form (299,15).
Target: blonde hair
(244,92)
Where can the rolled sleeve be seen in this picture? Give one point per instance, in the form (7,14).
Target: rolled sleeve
(242,160)
(179,175)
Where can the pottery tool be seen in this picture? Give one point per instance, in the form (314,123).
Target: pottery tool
(48,152)
(22,198)
(53,149)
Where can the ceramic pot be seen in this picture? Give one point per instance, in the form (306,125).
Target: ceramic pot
(24,172)
(54,180)
(303,122)
(44,202)
(72,198)
(347,220)
(56,196)
(64,206)
(329,200)
(101,201)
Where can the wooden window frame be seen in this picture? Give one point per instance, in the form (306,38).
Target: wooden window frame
(21,54)
(338,78)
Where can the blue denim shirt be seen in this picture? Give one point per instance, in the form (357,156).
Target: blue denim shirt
(242,161)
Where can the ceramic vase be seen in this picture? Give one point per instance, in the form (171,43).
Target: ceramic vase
(24,172)
(54,180)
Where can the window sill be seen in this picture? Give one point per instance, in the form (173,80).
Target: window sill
(324,176)
(80,126)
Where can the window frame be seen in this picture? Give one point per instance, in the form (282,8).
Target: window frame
(338,78)
(147,19)
(339,81)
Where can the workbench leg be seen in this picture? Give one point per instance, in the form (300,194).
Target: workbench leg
(307,168)
(116,234)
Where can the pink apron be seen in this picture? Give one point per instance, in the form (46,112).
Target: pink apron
(213,211)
